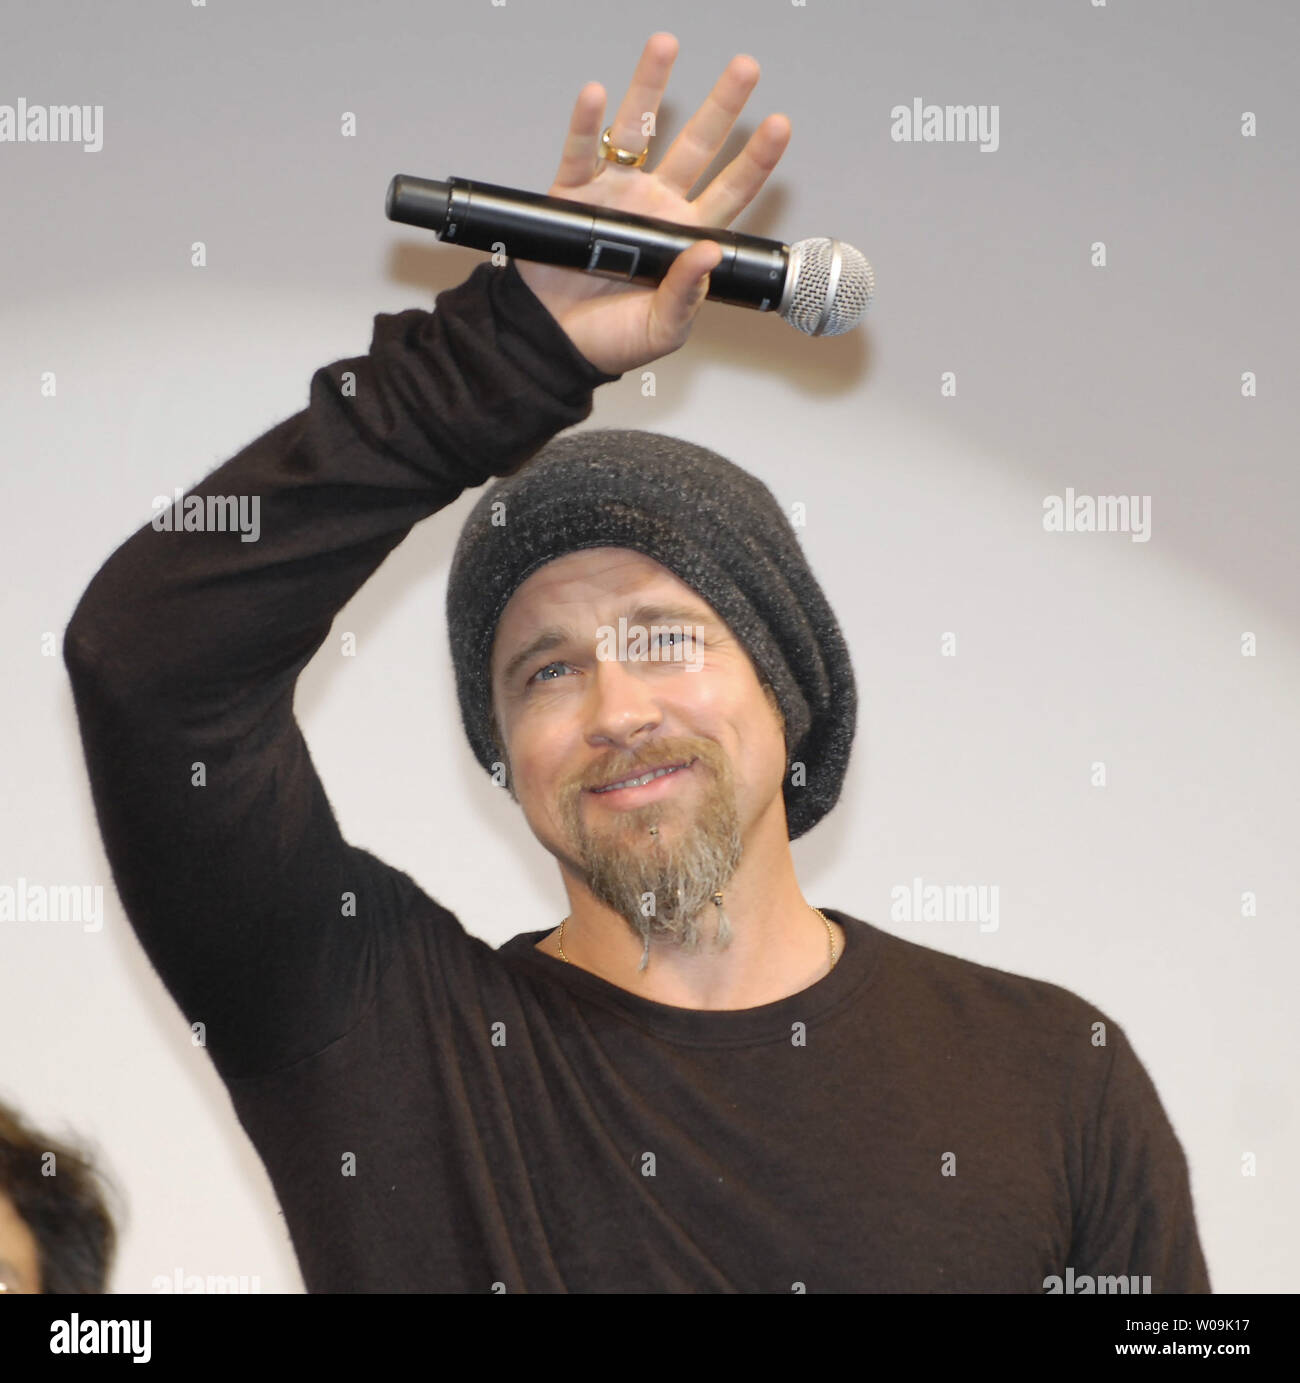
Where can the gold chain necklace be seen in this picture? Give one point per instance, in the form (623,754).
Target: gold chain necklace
(829,933)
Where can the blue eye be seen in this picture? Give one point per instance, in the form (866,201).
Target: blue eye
(538,674)
(683,636)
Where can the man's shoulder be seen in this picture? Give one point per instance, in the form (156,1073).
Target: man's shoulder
(979,993)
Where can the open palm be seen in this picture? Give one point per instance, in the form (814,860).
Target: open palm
(619,325)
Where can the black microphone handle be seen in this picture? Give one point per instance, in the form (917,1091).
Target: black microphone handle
(578,235)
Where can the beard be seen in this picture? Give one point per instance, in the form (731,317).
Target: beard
(663,885)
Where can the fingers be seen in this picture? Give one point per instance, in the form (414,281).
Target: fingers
(581,156)
(581,143)
(706,131)
(644,93)
(738,183)
(697,145)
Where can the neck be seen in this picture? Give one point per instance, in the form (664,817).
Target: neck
(779,944)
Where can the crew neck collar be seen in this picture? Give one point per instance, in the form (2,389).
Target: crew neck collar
(714,1027)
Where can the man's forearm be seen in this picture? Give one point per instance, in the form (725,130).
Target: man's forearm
(442,402)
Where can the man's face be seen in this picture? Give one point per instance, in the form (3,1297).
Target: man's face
(573,719)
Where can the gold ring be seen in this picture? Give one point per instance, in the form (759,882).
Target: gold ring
(625,158)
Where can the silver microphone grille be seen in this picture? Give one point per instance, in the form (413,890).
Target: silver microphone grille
(829,287)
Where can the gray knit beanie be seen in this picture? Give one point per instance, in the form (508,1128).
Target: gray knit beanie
(717,528)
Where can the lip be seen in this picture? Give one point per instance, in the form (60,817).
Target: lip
(647,792)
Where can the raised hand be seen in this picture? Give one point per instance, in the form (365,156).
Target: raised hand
(617,325)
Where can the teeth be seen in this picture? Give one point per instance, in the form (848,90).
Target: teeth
(639,782)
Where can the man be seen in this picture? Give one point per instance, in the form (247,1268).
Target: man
(696,1081)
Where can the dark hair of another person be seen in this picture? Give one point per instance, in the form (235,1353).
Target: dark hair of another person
(65,1212)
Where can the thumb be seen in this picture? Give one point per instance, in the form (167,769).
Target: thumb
(706,261)
(685,286)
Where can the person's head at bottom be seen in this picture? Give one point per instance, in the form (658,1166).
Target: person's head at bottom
(56,1233)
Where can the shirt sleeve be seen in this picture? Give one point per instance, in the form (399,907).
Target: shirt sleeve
(184,651)
(1135,1216)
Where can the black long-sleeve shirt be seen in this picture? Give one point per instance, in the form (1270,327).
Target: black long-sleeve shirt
(437,1115)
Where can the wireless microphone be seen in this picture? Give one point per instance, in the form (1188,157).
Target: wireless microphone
(820,286)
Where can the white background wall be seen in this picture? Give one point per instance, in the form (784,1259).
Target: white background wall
(1119,124)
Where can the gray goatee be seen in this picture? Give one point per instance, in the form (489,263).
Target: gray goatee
(660,866)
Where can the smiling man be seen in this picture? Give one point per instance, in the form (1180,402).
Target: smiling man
(531,603)
(653,832)
(696,1081)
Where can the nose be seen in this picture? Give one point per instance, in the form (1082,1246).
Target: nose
(623,709)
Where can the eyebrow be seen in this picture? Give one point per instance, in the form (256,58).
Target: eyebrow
(556,635)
